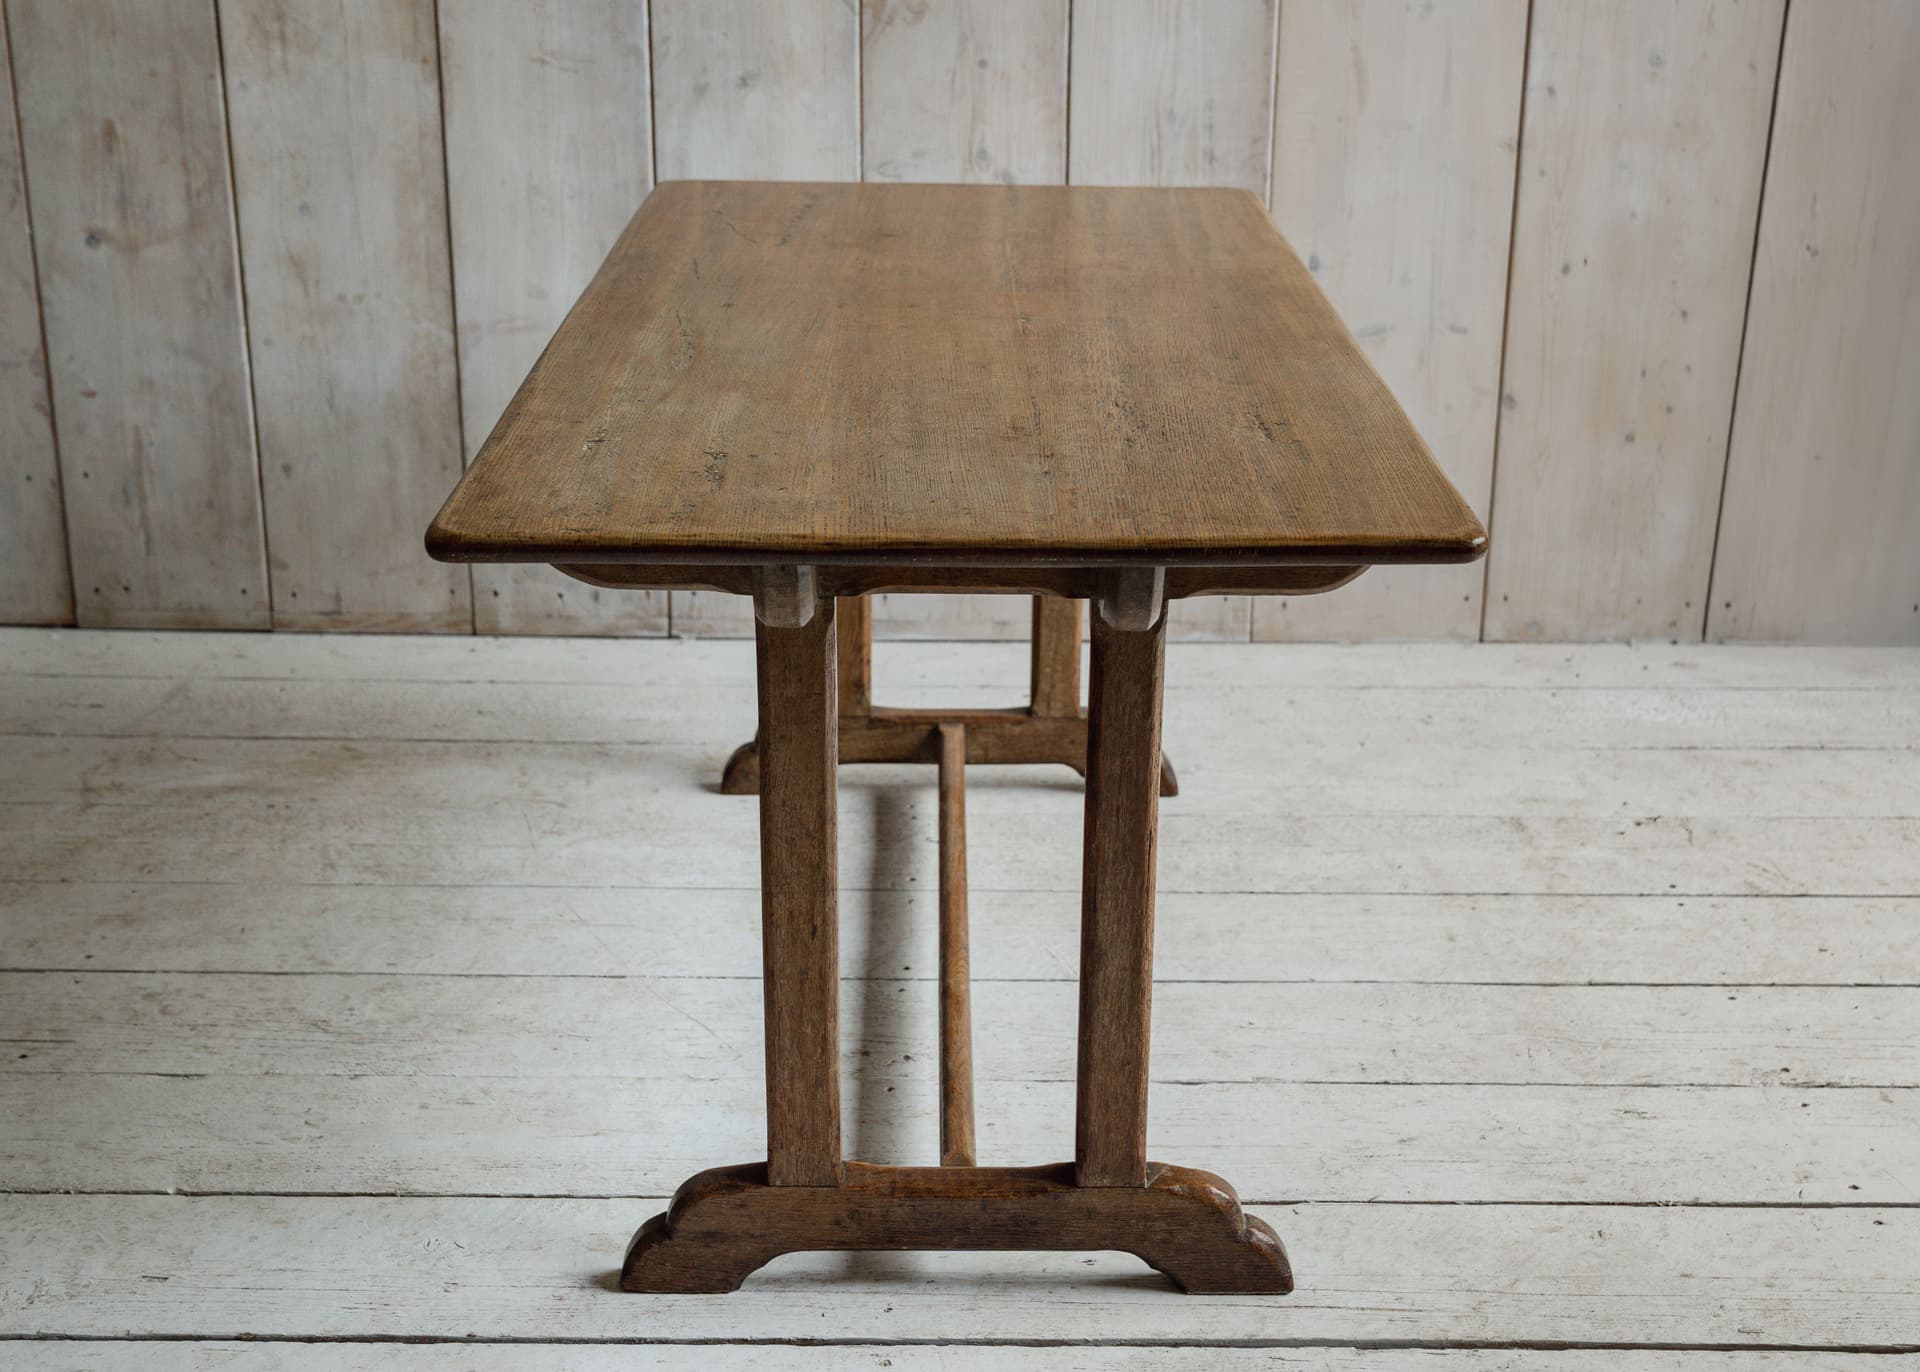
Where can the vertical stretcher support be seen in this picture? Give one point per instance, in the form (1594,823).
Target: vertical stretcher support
(956,1013)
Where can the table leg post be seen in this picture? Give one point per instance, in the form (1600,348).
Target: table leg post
(855,628)
(1116,912)
(1055,692)
(956,992)
(799,738)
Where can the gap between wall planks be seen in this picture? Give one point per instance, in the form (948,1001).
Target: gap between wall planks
(549,128)
(548,134)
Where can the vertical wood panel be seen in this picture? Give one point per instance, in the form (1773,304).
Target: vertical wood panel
(964,90)
(1174,93)
(335,113)
(970,91)
(549,152)
(756,91)
(1393,168)
(1644,137)
(1817,539)
(126,154)
(34,586)
(751,90)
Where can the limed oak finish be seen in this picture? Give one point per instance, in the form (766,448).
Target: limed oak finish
(766,372)
(808,394)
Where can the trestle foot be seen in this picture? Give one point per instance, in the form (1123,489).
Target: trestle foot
(725,1223)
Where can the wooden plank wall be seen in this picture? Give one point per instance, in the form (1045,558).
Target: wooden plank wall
(334,117)
(124,133)
(1827,425)
(549,125)
(1639,188)
(1393,158)
(35,586)
(1647,275)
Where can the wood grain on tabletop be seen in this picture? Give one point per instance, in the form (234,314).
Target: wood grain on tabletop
(809,371)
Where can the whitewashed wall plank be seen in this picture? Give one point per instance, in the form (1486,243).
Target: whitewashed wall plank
(1175,93)
(335,113)
(125,140)
(549,152)
(750,90)
(34,585)
(1823,478)
(1393,164)
(1644,137)
(754,91)
(968,91)
(1172,93)
(964,90)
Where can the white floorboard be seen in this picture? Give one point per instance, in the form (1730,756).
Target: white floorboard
(136,1356)
(381,1135)
(306,1267)
(1541,996)
(1018,935)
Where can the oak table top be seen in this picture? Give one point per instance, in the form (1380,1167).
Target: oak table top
(959,376)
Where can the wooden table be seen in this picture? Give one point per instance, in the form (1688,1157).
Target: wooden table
(810,393)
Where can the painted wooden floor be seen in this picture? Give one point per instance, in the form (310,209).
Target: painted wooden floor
(1560,1006)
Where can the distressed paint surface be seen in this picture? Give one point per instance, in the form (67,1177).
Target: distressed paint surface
(124,131)
(34,585)
(1645,136)
(1823,480)
(549,152)
(335,115)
